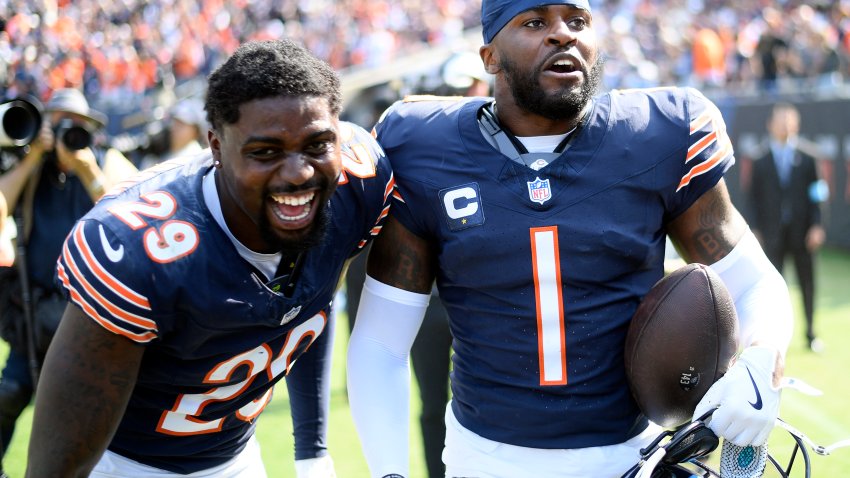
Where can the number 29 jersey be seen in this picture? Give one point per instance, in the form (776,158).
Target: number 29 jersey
(542,270)
(152,264)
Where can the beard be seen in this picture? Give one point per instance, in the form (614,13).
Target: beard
(565,104)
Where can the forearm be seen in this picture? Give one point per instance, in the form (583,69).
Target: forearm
(308,385)
(85,386)
(760,294)
(378,373)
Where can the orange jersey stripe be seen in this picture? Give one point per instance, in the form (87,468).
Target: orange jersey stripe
(390,187)
(384,213)
(700,121)
(706,166)
(98,298)
(90,311)
(105,277)
(701,145)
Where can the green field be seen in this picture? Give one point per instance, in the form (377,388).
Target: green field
(824,419)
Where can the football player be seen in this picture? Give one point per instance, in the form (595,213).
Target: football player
(542,215)
(197,287)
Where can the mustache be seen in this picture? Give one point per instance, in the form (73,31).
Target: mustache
(579,65)
(312,184)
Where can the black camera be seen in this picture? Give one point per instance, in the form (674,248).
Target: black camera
(72,135)
(20,120)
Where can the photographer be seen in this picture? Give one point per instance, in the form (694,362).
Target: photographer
(185,133)
(62,174)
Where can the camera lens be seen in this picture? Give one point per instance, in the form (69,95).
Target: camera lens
(76,137)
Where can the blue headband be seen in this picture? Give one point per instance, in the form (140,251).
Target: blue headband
(495,14)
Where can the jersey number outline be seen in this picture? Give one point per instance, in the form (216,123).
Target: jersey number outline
(549,302)
(358,162)
(182,419)
(172,240)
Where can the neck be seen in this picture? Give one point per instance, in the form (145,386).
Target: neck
(522,122)
(784,141)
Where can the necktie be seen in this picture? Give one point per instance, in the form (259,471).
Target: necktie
(785,160)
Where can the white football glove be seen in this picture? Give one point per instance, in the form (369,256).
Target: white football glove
(747,402)
(321,467)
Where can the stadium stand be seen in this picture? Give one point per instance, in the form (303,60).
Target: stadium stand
(120,51)
(136,58)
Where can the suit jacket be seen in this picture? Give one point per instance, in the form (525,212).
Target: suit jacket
(775,205)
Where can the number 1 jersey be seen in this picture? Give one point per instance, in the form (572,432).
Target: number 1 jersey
(541,270)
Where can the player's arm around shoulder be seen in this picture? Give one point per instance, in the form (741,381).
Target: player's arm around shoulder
(713,232)
(88,376)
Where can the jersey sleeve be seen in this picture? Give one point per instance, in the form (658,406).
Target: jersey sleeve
(397,125)
(709,151)
(309,387)
(366,182)
(96,273)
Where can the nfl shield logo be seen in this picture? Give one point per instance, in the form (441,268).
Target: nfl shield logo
(290,315)
(539,190)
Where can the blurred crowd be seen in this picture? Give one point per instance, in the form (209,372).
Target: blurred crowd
(118,51)
(743,46)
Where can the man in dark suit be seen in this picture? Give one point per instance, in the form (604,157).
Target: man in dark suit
(786,194)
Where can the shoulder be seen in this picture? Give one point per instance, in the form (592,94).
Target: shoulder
(362,156)
(672,102)
(406,119)
(354,139)
(366,172)
(143,236)
(163,201)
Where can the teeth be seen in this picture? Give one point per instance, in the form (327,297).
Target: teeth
(294,200)
(563,63)
(303,214)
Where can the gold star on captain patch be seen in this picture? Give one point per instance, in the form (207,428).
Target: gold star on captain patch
(463,221)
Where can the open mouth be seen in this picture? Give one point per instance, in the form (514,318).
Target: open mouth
(293,210)
(563,66)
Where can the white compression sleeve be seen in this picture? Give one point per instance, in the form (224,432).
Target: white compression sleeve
(760,294)
(388,320)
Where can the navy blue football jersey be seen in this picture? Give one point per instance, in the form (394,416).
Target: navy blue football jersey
(152,264)
(542,270)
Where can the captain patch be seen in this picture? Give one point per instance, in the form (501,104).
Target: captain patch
(462,206)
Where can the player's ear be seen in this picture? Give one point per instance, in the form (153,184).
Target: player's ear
(490,58)
(215,147)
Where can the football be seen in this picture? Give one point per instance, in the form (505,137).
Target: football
(681,339)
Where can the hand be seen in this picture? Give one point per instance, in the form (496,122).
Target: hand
(79,161)
(746,400)
(321,467)
(44,141)
(815,238)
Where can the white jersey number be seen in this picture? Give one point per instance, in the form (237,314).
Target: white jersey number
(551,345)
(182,418)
